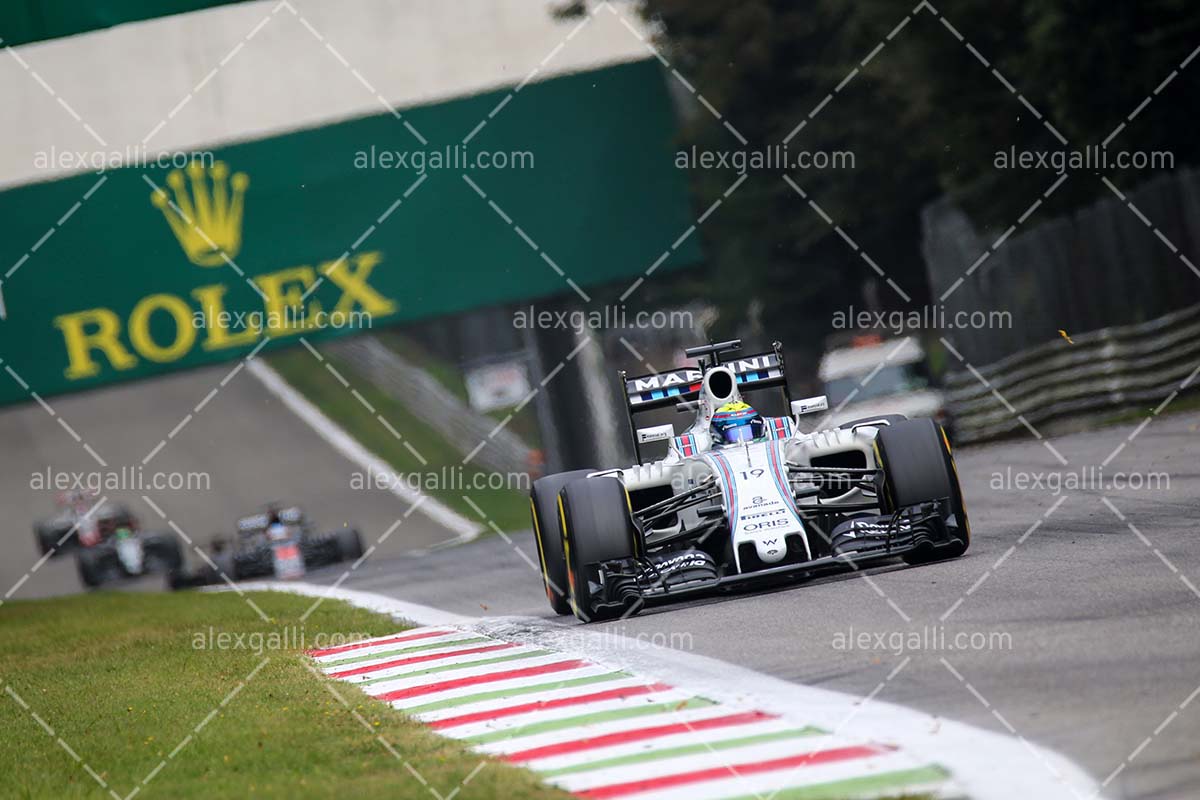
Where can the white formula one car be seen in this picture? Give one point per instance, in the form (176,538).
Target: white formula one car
(740,497)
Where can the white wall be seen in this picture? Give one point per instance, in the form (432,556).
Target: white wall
(162,81)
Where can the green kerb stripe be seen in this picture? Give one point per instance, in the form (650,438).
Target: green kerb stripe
(590,719)
(894,782)
(497,694)
(452,667)
(403,651)
(685,750)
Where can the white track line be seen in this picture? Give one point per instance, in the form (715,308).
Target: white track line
(413,613)
(352,449)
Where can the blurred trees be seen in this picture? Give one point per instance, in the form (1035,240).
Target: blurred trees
(923,117)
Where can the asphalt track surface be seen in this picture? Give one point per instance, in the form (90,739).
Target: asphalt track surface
(1103,631)
(1091,629)
(252,449)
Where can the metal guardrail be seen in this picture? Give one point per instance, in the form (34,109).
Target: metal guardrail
(1110,368)
(434,404)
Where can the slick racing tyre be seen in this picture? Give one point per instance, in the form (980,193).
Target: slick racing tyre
(91,566)
(594,516)
(179,579)
(544,501)
(162,552)
(253,563)
(224,568)
(349,544)
(48,537)
(917,468)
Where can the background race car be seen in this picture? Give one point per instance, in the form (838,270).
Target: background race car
(107,539)
(279,542)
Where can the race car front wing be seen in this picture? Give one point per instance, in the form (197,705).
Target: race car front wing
(626,585)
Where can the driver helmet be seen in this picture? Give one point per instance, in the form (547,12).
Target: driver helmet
(736,422)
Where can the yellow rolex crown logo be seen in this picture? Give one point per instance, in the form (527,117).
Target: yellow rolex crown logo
(205,213)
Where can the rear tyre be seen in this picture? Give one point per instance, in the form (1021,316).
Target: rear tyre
(162,553)
(543,499)
(45,544)
(596,526)
(48,537)
(178,579)
(225,568)
(255,563)
(349,544)
(917,468)
(91,567)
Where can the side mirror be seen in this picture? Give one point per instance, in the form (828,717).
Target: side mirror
(657,433)
(810,405)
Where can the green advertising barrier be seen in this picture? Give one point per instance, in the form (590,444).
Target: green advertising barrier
(110,278)
(23,21)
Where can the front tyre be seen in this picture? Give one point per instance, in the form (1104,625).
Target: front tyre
(918,468)
(543,500)
(596,525)
(163,553)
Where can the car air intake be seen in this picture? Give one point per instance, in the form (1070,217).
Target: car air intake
(720,384)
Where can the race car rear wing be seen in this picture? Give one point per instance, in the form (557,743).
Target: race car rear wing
(682,385)
(257,522)
(660,389)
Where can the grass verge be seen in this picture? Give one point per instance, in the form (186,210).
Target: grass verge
(422,452)
(132,686)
